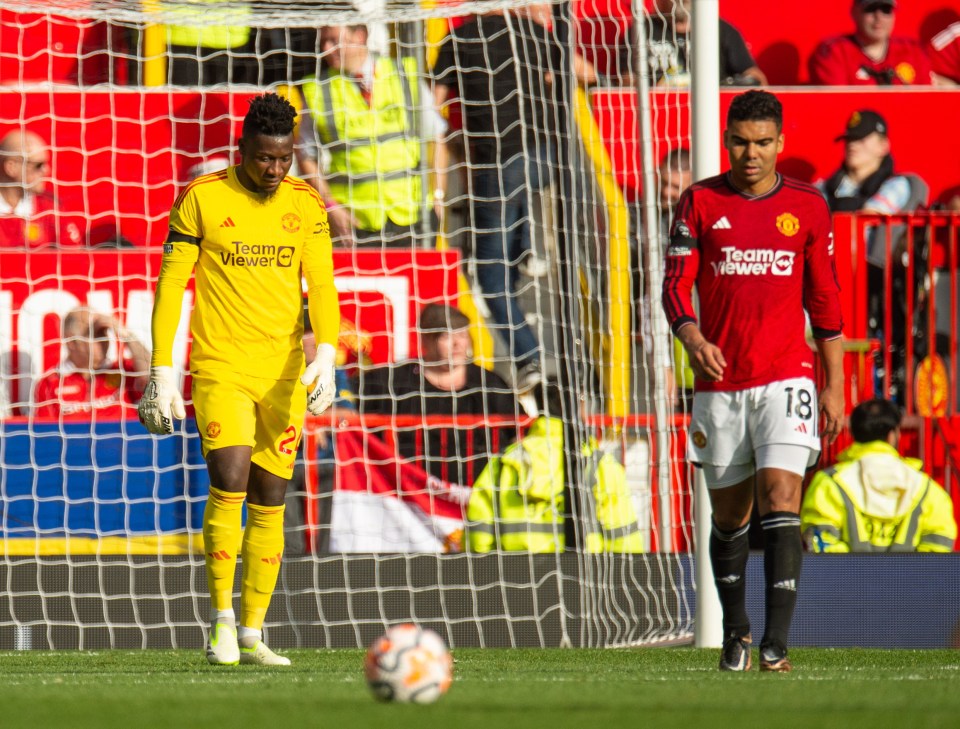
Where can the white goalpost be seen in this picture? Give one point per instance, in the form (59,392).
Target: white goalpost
(100,523)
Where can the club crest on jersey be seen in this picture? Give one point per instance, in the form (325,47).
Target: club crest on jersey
(213,429)
(788,224)
(290,222)
(699,439)
(906,72)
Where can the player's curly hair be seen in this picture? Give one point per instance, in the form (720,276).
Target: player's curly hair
(756,105)
(269,114)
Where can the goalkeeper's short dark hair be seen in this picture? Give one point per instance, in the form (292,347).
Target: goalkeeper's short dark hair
(874,420)
(756,105)
(269,114)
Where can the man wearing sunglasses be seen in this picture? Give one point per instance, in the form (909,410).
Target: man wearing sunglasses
(871,55)
(28,213)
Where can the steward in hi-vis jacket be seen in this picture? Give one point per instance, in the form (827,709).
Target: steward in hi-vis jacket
(518,502)
(874,500)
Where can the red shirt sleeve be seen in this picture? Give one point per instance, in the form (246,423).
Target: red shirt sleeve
(47,396)
(131,394)
(821,288)
(682,264)
(945,52)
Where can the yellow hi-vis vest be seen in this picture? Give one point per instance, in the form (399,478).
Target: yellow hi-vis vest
(518,503)
(873,500)
(374,149)
(227,35)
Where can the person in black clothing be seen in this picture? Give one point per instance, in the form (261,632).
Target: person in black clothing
(444,381)
(501,66)
(668,49)
(867,182)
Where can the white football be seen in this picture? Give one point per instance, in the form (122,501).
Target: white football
(408,664)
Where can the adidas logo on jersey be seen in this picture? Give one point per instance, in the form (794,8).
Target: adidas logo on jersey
(802,428)
(722,224)
(228,223)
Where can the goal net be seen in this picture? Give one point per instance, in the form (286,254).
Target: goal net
(430,493)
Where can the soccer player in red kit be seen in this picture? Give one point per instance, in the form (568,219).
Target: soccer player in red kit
(758,247)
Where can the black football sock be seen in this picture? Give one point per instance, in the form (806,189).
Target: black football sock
(728,555)
(782,555)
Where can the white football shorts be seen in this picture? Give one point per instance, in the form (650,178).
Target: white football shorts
(758,427)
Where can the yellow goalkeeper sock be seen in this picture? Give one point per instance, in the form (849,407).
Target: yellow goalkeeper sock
(262,552)
(222,522)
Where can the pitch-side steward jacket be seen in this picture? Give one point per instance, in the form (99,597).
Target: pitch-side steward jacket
(873,500)
(517,502)
(374,148)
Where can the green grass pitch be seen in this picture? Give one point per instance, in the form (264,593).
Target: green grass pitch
(656,688)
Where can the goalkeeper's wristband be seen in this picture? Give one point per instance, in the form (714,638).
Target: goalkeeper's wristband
(165,375)
(326,356)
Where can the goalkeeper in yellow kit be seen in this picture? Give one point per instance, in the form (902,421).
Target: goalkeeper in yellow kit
(249,231)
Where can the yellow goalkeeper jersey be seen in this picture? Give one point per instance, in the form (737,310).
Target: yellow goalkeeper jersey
(248,252)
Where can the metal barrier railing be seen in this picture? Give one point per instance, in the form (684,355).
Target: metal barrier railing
(900,289)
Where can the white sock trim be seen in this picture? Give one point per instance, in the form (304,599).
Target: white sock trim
(249,636)
(223,616)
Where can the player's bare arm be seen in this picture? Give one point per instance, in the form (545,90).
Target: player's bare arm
(832,396)
(341,219)
(706,359)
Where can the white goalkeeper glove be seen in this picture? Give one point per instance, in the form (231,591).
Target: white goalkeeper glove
(318,377)
(161,402)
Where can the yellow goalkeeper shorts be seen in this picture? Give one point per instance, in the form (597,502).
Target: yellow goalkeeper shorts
(239,410)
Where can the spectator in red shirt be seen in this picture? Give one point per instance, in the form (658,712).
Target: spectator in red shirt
(28,214)
(944,49)
(871,56)
(87,383)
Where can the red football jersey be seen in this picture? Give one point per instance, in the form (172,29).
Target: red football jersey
(758,263)
(43,227)
(842,62)
(66,393)
(945,52)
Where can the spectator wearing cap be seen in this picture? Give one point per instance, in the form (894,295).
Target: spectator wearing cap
(944,50)
(871,55)
(866,181)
